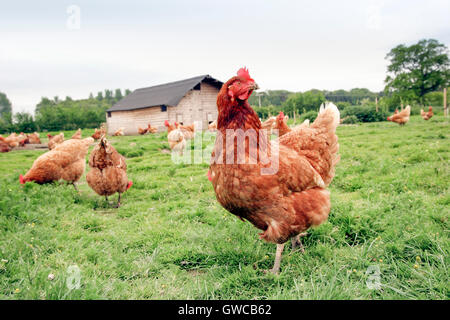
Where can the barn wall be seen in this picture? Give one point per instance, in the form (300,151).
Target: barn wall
(197,105)
(133,119)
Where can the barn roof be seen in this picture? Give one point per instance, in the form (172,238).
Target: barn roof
(168,94)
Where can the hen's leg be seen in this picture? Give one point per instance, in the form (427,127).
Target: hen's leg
(297,242)
(106,198)
(276,265)
(118,201)
(75,186)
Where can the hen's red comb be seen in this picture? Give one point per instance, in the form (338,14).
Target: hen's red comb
(208,174)
(21,179)
(130,183)
(243,73)
(166,123)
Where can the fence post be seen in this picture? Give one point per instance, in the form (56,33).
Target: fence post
(376,104)
(445,102)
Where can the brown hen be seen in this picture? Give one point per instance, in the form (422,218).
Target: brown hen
(282,196)
(108,173)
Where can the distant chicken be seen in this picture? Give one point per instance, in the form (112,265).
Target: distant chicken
(427,115)
(188,131)
(119,132)
(283,196)
(402,117)
(151,129)
(34,138)
(142,131)
(175,137)
(212,126)
(23,142)
(13,140)
(67,161)
(53,141)
(4,146)
(77,135)
(281,124)
(99,132)
(268,124)
(169,126)
(108,171)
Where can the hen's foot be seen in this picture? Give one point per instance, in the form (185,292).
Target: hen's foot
(297,242)
(75,186)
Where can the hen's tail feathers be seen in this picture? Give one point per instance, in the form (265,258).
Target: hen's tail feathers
(407,110)
(328,117)
(130,183)
(326,122)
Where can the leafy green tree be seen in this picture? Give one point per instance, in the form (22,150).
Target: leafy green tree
(269,98)
(99,96)
(108,95)
(5,104)
(417,70)
(45,102)
(24,122)
(6,123)
(127,92)
(118,95)
(304,102)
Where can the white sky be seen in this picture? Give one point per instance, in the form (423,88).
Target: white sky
(293,45)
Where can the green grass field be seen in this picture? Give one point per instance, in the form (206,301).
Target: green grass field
(172,240)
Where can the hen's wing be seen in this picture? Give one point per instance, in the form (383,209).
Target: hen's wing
(308,155)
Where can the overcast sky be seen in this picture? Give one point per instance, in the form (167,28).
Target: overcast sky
(294,45)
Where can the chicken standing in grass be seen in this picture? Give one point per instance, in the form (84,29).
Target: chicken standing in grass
(4,146)
(53,141)
(142,131)
(151,129)
(77,134)
(99,132)
(401,117)
(67,161)
(108,171)
(12,140)
(427,115)
(188,131)
(119,132)
(285,202)
(268,125)
(281,125)
(175,137)
(34,138)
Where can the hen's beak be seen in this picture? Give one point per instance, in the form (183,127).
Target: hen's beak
(254,86)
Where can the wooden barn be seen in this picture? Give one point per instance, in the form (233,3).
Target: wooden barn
(183,101)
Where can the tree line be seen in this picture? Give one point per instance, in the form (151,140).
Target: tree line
(53,114)
(416,74)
